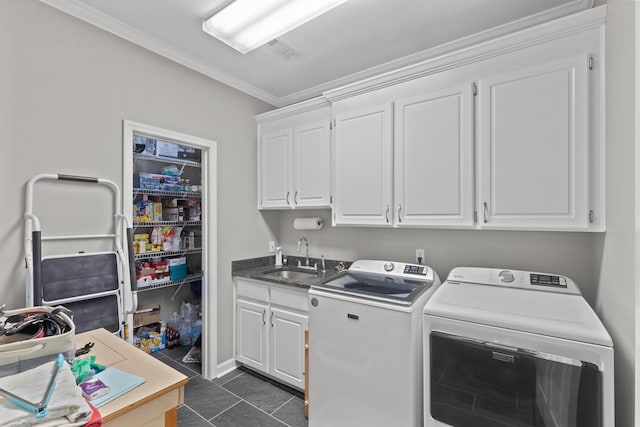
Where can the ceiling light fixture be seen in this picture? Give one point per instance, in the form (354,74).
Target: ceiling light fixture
(247,24)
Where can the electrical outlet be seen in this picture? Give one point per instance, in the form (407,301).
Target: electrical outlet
(420,256)
(272,246)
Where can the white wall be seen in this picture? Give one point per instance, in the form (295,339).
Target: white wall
(552,252)
(616,284)
(65,87)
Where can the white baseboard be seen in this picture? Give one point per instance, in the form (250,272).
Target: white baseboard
(226,367)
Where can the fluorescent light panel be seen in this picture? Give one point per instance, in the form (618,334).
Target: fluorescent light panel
(247,24)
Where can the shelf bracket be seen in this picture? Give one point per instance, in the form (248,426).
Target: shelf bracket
(177,290)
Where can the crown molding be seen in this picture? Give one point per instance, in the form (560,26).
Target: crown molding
(440,50)
(313,104)
(367,77)
(488,48)
(92,16)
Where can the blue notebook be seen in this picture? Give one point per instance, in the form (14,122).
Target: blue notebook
(119,382)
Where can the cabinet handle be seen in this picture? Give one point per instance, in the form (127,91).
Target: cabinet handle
(271,319)
(386,214)
(399,216)
(486,209)
(295,197)
(287,197)
(264,321)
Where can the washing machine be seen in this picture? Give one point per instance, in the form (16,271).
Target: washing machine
(365,345)
(515,348)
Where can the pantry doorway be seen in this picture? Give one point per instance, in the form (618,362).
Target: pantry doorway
(172,176)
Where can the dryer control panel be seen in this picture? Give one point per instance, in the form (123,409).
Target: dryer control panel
(517,279)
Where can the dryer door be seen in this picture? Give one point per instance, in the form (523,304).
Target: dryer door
(477,383)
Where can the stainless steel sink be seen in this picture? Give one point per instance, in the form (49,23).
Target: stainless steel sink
(291,274)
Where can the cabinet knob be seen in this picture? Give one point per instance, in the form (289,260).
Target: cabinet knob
(287,197)
(399,215)
(386,213)
(485,213)
(295,197)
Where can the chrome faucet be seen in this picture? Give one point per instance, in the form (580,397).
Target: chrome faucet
(306,263)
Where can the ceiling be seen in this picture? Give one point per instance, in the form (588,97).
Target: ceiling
(357,40)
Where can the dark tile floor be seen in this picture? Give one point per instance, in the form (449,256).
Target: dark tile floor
(238,399)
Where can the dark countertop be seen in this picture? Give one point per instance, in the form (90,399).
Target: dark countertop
(257,269)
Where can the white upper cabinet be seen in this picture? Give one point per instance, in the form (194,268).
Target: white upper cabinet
(505,134)
(311,164)
(533,146)
(433,152)
(363,166)
(406,163)
(275,161)
(294,160)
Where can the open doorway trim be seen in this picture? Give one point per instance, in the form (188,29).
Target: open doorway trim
(209,226)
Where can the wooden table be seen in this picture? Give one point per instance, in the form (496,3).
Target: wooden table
(153,403)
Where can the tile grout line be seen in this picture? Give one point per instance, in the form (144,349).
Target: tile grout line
(186,367)
(280,407)
(222,412)
(197,413)
(251,404)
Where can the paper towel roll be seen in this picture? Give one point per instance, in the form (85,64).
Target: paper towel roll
(307,223)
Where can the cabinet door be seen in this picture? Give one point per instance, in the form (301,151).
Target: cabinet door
(533,148)
(433,153)
(363,163)
(311,164)
(275,169)
(287,346)
(251,334)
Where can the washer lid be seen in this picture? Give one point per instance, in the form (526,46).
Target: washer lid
(561,315)
(387,281)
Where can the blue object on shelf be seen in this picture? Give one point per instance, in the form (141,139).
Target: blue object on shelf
(178,272)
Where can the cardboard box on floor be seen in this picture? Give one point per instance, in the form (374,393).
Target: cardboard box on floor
(146,315)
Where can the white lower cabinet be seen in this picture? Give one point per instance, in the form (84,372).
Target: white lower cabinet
(270,325)
(286,342)
(251,334)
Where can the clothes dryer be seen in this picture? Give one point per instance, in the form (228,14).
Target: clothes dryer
(506,347)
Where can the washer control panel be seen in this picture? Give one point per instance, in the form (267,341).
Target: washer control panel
(548,280)
(395,269)
(419,270)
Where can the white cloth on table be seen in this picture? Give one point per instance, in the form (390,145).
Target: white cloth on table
(66,408)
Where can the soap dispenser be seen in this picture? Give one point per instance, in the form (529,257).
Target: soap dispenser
(279,256)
